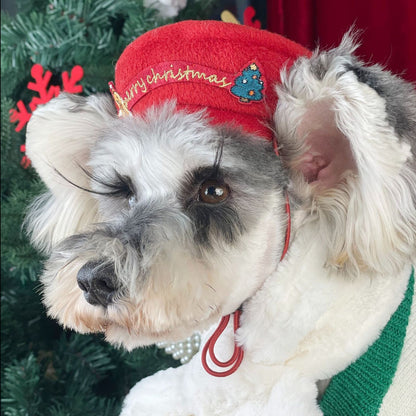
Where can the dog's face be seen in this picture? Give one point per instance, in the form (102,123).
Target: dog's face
(188,226)
(156,225)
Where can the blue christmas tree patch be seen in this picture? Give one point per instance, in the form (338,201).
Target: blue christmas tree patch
(248,86)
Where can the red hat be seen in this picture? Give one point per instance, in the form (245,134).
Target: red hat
(227,68)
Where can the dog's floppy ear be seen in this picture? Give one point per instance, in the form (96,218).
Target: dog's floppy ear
(60,135)
(347,134)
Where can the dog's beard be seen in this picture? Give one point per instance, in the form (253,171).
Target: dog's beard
(165,295)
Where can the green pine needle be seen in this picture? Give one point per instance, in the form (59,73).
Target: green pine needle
(20,388)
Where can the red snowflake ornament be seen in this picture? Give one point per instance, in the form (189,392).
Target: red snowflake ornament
(25,162)
(69,83)
(249,14)
(21,115)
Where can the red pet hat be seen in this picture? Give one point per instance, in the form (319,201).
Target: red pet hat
(227,68)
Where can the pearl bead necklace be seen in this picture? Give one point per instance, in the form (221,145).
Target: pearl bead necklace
(183,350)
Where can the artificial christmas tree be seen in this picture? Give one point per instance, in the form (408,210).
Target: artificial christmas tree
(47,371)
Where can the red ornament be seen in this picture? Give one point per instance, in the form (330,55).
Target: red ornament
(25,162)
(249,14)
(21,115)
(69,83)
(41,87)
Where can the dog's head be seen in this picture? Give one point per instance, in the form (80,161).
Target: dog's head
(161,221)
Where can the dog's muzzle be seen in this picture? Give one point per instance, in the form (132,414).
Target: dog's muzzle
(98,282)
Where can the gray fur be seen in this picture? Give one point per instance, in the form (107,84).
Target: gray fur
(258,173)
(78,103)
(250,168)
(399,95)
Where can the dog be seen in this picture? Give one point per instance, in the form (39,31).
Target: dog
(293,214)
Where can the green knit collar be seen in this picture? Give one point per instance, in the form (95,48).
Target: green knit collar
(360,389)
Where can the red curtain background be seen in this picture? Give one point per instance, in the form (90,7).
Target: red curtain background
(388,28)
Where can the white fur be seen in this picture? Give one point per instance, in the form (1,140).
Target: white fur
(304,319)
(305,324)
(62,211)
(379,191)
(309,321)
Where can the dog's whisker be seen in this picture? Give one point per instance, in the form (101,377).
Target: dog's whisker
(210,286)
(69,262)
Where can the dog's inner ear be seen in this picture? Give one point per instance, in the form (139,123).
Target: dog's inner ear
(326,153)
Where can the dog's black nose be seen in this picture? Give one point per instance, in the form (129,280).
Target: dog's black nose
(98,281)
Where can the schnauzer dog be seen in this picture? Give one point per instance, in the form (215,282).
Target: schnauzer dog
(159,222)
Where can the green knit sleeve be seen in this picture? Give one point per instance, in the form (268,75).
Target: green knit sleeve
(359,389)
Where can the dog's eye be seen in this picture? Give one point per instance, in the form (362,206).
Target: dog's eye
(213,192)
